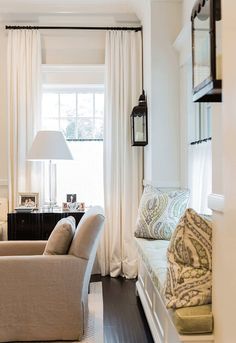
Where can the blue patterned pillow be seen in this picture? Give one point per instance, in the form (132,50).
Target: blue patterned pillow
(160,211)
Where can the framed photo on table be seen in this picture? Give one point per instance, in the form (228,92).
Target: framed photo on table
(29,200)
(71,198)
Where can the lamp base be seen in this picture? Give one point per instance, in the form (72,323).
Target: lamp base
(50,205)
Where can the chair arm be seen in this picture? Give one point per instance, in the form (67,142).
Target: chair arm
(41,278)
(15,248)
(45,289)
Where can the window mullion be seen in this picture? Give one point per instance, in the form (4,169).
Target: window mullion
(92,92)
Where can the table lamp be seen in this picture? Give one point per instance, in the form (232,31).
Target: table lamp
(49,145)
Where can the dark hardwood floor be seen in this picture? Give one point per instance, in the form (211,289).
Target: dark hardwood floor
(124,318)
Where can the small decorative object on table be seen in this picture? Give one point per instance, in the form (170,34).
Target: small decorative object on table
(65,206)
(27,202)
(82,206)
(72,205)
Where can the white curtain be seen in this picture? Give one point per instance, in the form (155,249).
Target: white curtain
(122,163)
(23,93)
(200,176)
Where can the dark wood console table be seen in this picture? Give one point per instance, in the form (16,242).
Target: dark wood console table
(36,225)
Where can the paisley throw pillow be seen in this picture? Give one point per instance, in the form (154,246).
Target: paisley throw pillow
(189,257)
(160,211)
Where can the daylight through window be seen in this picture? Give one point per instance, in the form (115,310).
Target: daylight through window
(79,113)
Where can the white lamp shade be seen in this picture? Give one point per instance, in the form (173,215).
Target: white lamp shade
(49,145)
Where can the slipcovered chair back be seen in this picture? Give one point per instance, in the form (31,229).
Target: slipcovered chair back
(84,245)
(3,218)
(3,209)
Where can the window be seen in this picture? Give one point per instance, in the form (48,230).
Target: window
(79,113)
(202,124)
(200,158)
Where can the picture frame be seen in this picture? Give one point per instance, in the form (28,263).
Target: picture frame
(70,198)
(28,200)
(65,206)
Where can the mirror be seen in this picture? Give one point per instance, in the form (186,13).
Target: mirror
(206,51)
(202,46)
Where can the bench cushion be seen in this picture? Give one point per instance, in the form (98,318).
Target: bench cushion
(193,320)
(189,320)
(153,254)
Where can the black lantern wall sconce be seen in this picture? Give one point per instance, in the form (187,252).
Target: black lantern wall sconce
(139,128)
(138,118)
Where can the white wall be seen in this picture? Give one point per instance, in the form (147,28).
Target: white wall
(161,24)
(165,126)
(73,47)
(73,74)
(224,259)
(142,9)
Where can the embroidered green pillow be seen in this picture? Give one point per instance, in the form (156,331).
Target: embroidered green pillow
(189,256)
(160,211)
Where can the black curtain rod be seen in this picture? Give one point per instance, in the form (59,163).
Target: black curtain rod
(201,141)
(136,29)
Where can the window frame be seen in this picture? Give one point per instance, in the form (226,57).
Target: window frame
(77,89)
(202,123)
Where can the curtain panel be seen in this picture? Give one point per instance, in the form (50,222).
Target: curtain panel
(123,164)
(200,176)
(23,95)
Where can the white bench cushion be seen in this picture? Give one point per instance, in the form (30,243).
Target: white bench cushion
(153,254)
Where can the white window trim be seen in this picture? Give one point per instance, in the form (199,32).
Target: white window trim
(69,68)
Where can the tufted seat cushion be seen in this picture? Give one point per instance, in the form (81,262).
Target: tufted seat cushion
(194,320)
(153,254)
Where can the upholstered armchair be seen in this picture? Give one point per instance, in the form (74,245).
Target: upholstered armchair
(45,297)
(3,218)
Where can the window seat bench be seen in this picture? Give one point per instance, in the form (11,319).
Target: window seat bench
(187,325)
